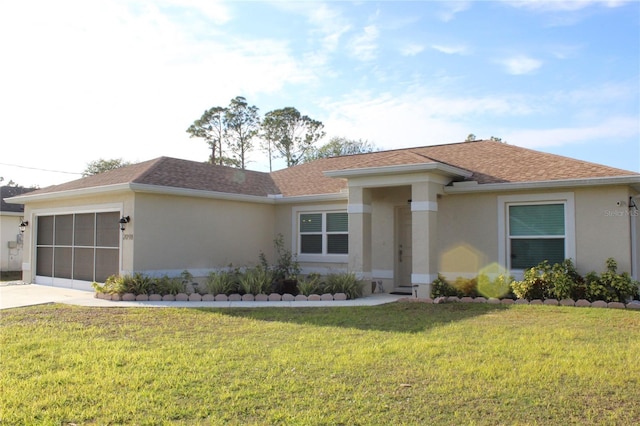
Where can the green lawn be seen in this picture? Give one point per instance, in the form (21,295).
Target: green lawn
(402,363)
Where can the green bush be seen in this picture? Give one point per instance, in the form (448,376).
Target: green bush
(440,287)
(611,286)
(112,285)
(256,280)
(346,283)
(311,284)
(497,287)
(222,282)
(166,285)
(562,281)
(466,286)
(535,284)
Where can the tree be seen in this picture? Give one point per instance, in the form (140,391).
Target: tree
(471,137)
(211,128)
(338,146)
(497,139)
(290,133)
(241,123)
(101,165)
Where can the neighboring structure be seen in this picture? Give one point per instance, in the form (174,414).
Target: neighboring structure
(399,217)
(10,237)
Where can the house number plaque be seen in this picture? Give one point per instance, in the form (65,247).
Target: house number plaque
(126,237)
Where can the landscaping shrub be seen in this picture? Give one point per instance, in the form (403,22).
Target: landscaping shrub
(611,286)
(311,284)
(441,288)
(222,282)
(254,281)
(113,285)
(466,286)
(535,284)
(562,281)
(346,283)
(497,287)
(165,285)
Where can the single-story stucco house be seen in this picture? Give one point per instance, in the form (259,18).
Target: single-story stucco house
(400,217)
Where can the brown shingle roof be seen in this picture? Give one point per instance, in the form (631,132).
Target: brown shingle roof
(173,172)
(489,161)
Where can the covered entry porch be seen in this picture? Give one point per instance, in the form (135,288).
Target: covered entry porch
(393,224)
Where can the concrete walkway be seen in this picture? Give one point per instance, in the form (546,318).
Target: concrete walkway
(18,295)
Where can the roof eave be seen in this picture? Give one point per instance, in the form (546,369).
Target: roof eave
(468,187)
(66,194)
(400,169)
(200,193)
(313,198)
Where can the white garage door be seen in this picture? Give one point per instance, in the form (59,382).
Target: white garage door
(74,250)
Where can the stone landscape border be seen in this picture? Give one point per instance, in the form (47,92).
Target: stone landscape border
(196,297)
(634,304)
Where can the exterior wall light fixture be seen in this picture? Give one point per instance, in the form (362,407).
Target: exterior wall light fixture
(23,225)
(123,222)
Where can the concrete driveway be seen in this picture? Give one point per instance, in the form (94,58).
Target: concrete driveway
(19,295)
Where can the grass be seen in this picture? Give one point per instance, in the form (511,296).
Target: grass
(394,364)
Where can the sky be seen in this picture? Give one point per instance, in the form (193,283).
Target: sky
(83,80)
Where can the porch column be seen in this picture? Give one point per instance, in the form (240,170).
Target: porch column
(359,210)
(424,215)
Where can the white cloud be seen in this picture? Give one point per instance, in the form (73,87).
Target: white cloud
(449,50)
(449,9)
(563,6)
(416,117)
(214,10)
(521,64)
(364,46)
(411,49)
(609,128)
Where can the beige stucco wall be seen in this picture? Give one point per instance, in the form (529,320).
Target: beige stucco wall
(171,233)
(603,228)
(467,233)
(468,229)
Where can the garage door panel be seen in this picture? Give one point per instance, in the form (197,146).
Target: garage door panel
(62,259)
(83,264)
(44,263)
(106,264)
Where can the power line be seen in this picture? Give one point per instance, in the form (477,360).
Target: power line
(42,170)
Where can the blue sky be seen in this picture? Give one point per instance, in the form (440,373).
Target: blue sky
(83,80)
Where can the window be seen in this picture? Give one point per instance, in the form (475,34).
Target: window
(324,233)
(536,233)
(536,227)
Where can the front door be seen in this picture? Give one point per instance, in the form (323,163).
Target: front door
(404,248)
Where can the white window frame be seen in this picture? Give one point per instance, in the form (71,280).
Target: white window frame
(297,236)
(504,239)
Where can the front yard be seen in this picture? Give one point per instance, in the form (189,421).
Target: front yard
(395,364)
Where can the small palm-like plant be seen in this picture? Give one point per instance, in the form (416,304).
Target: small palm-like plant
(346,283)
(311,284)
(255,281)
(221,282)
